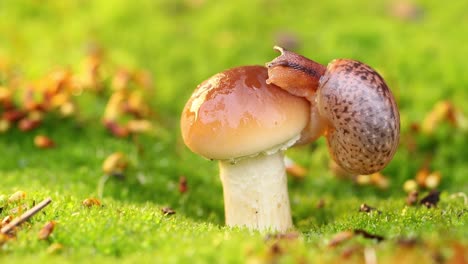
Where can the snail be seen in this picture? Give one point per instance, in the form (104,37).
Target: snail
(350,104)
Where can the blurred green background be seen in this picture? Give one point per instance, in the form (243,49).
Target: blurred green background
(420,48)
(420,51)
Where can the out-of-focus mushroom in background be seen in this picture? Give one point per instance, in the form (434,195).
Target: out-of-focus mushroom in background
(237,118)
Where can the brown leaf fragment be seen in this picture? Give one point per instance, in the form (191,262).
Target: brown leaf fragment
(17,196)
(431,199)
(321,204)
(294,169)
(27,124)
(350,251)
(412,198)
(459,254)
(167,211)
(421,176)
(121,79)
(46,230)
(183,187)
(43,142)
(116,129)
(115,164)
(363,179)
(367,209)
(275,249)
(13,115)
(407,242)
(7,219)
(90,202)
(368,235)
(341,237)
(379,180)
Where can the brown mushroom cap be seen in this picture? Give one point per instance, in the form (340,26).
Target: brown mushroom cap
(236,113)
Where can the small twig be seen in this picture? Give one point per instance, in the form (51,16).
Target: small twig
(28,214)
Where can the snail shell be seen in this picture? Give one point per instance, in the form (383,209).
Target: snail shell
(363,120)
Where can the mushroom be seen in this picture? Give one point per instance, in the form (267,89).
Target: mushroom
(350,104)
(237,118)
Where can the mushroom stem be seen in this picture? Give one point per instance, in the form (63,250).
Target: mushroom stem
(255,193)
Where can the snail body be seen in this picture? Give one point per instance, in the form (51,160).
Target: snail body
(351,105)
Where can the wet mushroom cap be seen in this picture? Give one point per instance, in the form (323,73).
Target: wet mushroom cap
(236,114)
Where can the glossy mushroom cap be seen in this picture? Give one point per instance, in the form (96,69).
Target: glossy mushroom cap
(364,123)
(236,114)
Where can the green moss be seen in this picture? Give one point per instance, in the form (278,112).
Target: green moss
(184,42)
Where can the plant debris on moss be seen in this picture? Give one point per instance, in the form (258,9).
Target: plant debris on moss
(90,100)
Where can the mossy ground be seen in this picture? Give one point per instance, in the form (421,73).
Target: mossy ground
(421,55)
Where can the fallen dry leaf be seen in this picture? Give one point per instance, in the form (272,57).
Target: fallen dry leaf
(43,142)
(27,124)
(183,187)
(46,230)
(412,198)
(13,115)
(363,179)
(90,202)
(459,254)
(431,199)
(442,111)
(368,235)
(17,196)
(116,129)
(7,219)
(115,164)
(167,211)
(367,209)
(321,204)
(379,180)
(351,250)
(294,169)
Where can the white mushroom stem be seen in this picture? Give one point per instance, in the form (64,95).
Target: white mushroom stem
(256,193)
